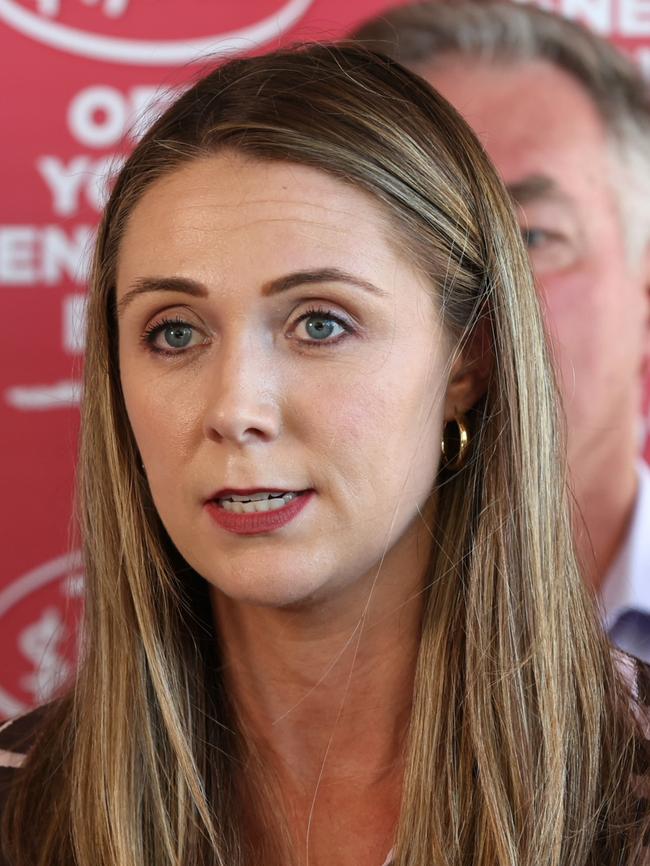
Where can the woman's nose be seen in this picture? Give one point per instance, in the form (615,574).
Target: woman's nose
(242,403)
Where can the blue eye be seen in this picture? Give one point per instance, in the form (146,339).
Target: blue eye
(321,325)
(176,334)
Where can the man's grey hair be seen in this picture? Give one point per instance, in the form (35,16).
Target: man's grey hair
(501,31)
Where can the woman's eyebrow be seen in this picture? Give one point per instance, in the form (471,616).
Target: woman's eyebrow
(161,284)
(321,275)
(273,287)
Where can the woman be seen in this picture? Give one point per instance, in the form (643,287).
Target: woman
(314,635)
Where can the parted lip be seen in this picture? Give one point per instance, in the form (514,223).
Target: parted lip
(247,491)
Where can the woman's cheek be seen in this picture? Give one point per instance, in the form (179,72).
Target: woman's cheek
(166,414)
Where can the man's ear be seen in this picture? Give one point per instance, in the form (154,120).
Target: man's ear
(470,373)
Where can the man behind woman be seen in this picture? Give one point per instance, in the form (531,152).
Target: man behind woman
(565,119)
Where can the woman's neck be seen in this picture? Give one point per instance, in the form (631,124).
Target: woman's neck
(323,692)
(324,696)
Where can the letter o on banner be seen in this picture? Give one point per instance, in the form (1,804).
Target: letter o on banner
(97,116)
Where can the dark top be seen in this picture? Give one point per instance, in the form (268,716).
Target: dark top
(16,739)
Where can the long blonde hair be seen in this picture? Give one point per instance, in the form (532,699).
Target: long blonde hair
(522,742)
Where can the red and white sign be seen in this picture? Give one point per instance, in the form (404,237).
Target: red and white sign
(95,30)
(81,79)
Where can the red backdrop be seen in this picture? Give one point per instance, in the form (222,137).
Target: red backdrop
(78,75)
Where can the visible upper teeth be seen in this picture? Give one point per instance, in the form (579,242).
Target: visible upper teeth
(253,497)
(256,502)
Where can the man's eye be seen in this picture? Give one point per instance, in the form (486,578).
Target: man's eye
(549,251)
(534,238)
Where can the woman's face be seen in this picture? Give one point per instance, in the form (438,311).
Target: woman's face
(272,339)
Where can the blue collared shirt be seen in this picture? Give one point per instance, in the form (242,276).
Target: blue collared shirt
(625,595)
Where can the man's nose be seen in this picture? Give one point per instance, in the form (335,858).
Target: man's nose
(242,404)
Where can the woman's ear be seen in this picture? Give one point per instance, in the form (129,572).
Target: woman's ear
(470,373)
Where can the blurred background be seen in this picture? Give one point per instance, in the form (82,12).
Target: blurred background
(81,77)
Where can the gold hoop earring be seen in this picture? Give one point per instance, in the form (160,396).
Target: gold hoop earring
(455,459)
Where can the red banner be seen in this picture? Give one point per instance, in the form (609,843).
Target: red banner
(81,79)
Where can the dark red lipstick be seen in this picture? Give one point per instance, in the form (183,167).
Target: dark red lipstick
(256,522)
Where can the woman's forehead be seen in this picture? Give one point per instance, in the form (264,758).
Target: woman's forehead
(212,214)
(229,190)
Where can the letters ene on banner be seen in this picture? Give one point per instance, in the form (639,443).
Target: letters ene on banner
(32,255)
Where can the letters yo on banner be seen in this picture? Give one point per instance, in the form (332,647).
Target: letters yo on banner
(87,76)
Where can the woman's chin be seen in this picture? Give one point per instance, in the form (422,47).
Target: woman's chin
(277,589)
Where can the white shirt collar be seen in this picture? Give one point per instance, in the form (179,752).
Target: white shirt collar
(627,584)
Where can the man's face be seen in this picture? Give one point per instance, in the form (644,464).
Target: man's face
(546,139)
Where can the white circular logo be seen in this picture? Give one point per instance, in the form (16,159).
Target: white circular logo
(143,52)
(37,631)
